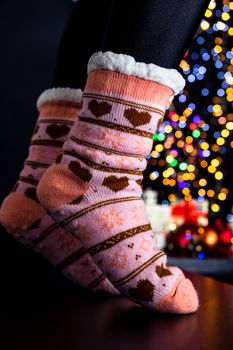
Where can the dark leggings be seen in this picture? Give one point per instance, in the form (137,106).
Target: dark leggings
(152,31)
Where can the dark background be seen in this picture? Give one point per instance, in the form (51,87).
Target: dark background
(30,32)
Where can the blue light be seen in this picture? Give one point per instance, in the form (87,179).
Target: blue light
(210,108)
(206,153)
(192,106)
(205,56)
(229,217)
(191,78)
(195,56)
(220,75)
(201,256)
(223,150)
(182,98)
(221,92)
(205,127)
(200,40)
(200,199)
(217,134)
(205,92)
(218,64)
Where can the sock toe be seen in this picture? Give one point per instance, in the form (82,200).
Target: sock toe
(182,299)
(58,186)
(18,213)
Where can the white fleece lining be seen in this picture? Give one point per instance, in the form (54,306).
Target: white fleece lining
(59,94)
(127,65)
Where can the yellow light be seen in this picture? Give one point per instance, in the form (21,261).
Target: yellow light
(231,5)
(230,96)
(202,192)
(215,162)
(208,13)
(222,196)
(188,198)
(217,48)
(191,168)
(230,31)
(180,144)
(225,133)
(220,25)
(205,25)
(175,118)
(215,208)
(188,111)
(225,16)
(229,125)
(189,149)
(154,154)
(201,230)
(189,139)
(171,171)
(179,134)
(211,238)
(202,182)
(168,128)
(210,193)
(172,197)
(205,145)
(212,4)
(184,65)
(220,141)
(211,169)
(186,191)
(169,159)
(166,173)
(192,176)
(183,118)
(172,182)
(218,175)
(166,182)
(159,148)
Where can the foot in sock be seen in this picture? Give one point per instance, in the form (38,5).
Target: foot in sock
(24,217)
(102,163)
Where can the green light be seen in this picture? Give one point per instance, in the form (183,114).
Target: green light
(183,166)
(174,162)
(161,137)
(155,136)
(196,133)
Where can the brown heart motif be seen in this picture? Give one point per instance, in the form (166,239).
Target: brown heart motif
(31,193)
(162,271)
(83,173)
(137,118)
(116,184)
(143,291)
(35,225)
(99,108)
(58,159)
(77,200)
(56,131)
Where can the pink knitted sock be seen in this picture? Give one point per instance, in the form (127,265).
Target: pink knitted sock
(102,164)
(23,216)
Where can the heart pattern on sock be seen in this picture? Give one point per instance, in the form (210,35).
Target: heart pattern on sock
(83,173)
(143,291)
(56,131)
(137,118)
(31,193)
(162,271)
(115,183)
(98,109)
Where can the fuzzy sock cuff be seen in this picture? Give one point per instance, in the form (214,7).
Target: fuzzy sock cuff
(127,65)
(59,94)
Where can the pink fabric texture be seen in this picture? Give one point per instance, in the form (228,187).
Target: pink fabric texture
(105,156)
(25,218)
